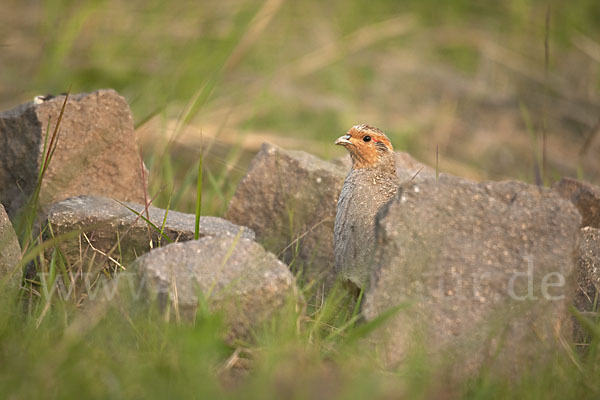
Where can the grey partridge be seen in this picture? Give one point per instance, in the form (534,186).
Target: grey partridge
(372,181)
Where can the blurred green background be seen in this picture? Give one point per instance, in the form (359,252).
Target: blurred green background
(472,78)
(485,82)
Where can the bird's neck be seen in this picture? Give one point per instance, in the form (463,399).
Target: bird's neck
(384,165)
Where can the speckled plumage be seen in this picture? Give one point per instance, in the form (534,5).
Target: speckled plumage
(372,181)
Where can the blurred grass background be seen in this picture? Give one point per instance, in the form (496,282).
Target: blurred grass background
(217,78)
(468,76)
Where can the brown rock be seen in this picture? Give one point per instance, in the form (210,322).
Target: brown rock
(235,275)
(289,199)
(585,196)
(96,154)
(112,228)
(484,270)
(10,253)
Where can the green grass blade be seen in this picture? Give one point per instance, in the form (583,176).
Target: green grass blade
(164,222)
(586,323)
(362,331)
(150,223)
(198,200)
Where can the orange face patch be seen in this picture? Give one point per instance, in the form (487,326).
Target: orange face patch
(366,145)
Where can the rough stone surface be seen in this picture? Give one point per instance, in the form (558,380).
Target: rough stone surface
(235,275)
(588,269)
(10,252)
(449,250)
(105,222)
(96,152)
(289,199)
(585,196)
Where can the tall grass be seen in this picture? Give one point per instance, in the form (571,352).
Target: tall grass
(122,350)
(302,71)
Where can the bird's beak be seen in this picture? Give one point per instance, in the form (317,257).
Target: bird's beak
(343,140)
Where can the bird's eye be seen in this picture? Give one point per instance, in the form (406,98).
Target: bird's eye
(367,138)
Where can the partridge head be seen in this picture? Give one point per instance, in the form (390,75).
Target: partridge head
(368,146)
(371,182)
